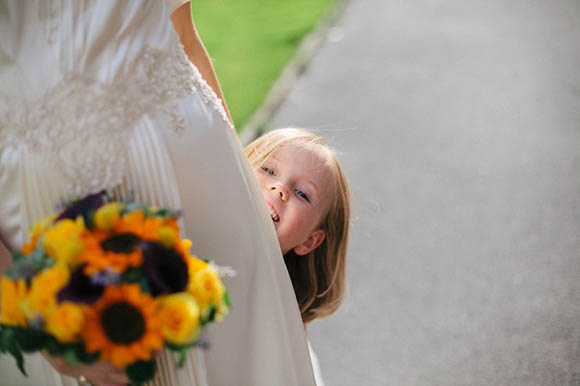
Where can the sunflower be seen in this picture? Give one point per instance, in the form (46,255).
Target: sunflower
(123,326)
(117,252)
(183,247)
(119,248)
(146,228)
(152,228)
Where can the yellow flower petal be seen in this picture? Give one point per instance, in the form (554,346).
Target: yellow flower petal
(12,296)
(206,287)
(62,241)
(122,340)
(221,311)
(179,318)
(66,322)
(44,289)
(107,215)
(35,232)
(167,236)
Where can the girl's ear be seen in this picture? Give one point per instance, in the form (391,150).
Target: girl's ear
(311,243)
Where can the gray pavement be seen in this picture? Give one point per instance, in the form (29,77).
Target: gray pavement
(458,123)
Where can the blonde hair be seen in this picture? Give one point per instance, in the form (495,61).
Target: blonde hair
(318,277)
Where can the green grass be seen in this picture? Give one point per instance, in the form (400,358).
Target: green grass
(251,41)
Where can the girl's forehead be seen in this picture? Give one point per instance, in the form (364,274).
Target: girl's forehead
(301,151)
(309,159)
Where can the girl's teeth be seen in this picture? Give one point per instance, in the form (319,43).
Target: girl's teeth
(274,216)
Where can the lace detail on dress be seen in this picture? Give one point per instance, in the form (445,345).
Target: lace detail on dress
(209,95)
(81,125)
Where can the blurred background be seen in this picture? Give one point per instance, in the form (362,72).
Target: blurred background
(252,41)
(458,124)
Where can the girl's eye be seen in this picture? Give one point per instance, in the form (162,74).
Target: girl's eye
(301,194)
(268,171)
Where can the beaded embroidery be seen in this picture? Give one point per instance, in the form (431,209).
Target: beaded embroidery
(81,125)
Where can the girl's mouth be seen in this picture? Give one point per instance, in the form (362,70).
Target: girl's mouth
(273,214)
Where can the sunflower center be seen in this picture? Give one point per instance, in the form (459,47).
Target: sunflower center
(121,243)
(123,323)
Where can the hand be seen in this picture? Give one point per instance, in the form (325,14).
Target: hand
(98,374)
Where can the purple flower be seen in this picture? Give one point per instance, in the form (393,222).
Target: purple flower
(83,207)
(164,267)
(81,288)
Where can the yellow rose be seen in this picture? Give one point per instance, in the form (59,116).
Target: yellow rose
(167,236)
(66,322)
(35,232)
(12,296)
(45,286)
(107,215)
(63,241)
(178,318)
(206,286)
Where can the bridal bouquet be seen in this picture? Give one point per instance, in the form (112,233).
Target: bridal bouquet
(111,281)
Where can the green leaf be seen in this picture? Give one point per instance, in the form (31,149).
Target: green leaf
(31,340)
(84,356)
(166,213)
(17,256)
(210,315)
(227,299)
(37,261)
(179,347)
(72,353)
(136,275)
(141,372)
(14,349)
(70,357)
(7,336)
(182,357)
(90,220)
(135,206)
(145,287)
(53,347)
(132,275)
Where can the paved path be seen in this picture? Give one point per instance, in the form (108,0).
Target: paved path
(458,123)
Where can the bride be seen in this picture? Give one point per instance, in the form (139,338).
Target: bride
(120,95)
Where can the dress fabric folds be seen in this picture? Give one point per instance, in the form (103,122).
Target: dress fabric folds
(99,94)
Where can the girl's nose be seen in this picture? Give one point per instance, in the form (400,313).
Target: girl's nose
(280,190)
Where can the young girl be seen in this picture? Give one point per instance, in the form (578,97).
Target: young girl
(309,201)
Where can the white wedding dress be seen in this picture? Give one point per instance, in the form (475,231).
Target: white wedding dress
(99,94)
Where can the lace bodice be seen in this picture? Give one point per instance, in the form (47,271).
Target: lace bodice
(79,125)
